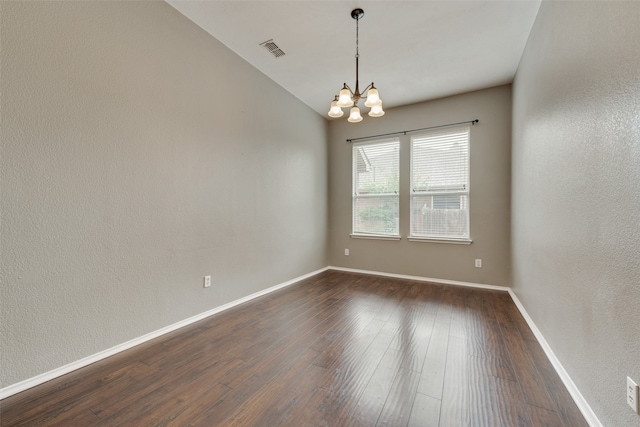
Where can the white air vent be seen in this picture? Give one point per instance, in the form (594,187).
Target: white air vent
(272,48)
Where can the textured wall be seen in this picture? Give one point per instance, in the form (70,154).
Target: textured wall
(138,155)
(576,198)
(489,192)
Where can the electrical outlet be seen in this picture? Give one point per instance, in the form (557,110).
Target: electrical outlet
(207,281)
(632,394)
(346,252)
(478,263)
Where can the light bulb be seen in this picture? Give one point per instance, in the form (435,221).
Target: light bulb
(335,111)
(344,99)
(376,110)
(354,115)
(373,98)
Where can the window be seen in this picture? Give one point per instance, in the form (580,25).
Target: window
(440,185)
(376,168)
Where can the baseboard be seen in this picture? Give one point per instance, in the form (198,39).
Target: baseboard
(580,401)
(582,404)
(423,279)
(47,376)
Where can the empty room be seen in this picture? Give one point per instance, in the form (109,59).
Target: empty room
(320,213)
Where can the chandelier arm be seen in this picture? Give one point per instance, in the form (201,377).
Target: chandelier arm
(367,88)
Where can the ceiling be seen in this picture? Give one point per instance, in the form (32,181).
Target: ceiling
(413,50)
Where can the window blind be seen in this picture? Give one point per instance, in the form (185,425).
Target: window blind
(440,184)
(376,170)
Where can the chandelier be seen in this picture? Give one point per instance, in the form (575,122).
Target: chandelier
(348,98)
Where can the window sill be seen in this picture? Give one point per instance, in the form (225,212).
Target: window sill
(375,236)
(443,240)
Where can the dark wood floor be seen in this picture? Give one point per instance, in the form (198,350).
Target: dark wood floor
(338,349)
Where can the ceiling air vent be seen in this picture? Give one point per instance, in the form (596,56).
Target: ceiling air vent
(272,48)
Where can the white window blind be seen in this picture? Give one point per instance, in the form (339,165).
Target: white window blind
(440,184)
(376,169)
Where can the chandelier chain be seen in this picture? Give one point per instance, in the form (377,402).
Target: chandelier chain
(357,36)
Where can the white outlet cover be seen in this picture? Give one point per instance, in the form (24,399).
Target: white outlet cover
(632,394)
(207,281)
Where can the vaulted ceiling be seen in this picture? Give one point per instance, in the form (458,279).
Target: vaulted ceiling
(413,50)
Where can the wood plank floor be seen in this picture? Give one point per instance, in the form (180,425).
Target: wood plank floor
(338,349)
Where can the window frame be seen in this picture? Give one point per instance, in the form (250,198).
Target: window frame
(384,195)
(462,191)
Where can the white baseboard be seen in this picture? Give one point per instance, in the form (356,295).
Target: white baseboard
(423,279)
(582,404)
(47,376)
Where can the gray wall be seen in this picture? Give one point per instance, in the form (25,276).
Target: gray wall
(576,198)
(489,192)
(136,158)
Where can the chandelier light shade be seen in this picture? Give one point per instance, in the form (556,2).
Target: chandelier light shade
(354,115)
(335,110)
(347,98)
